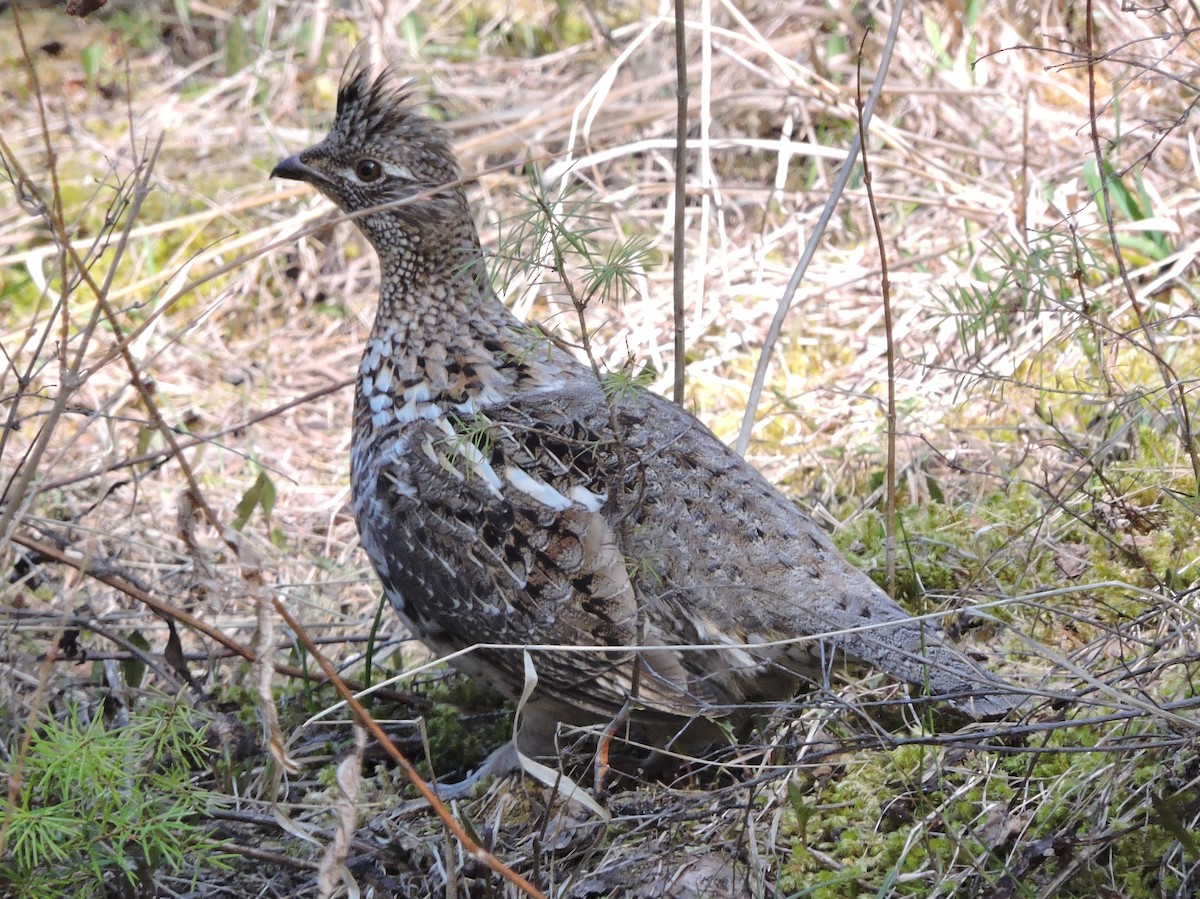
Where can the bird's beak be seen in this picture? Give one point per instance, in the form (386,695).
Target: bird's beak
(294,170)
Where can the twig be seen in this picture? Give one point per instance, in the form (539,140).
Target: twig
(885,293)
(1171,382)
(679,269)
(476,851)
(69,379)
(100,291)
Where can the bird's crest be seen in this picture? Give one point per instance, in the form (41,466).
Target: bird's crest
(378,108)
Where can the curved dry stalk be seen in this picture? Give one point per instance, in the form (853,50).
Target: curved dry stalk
(814,239)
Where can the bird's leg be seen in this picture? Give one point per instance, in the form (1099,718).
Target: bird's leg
(500,763)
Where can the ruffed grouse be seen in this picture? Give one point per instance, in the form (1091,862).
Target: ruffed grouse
(503,498)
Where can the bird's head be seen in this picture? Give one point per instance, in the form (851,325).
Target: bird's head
(380,152)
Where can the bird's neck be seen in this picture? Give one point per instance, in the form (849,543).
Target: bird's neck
(441,341)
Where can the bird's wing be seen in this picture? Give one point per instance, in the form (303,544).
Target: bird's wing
(494,529)
(749,568)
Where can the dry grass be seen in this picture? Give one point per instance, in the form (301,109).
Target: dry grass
(1045,461)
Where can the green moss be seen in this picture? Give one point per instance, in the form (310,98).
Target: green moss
(898,819)
(465,723)
(903,821)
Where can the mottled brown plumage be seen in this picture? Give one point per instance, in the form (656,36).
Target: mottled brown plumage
(504,499)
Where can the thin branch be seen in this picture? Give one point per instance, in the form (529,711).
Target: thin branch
(679,269)
(885,293)
(1171,382)
(477,852)
(810,248)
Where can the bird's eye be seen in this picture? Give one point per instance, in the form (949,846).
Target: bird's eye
(368,170)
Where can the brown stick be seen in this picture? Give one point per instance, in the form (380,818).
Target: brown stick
(476,851)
